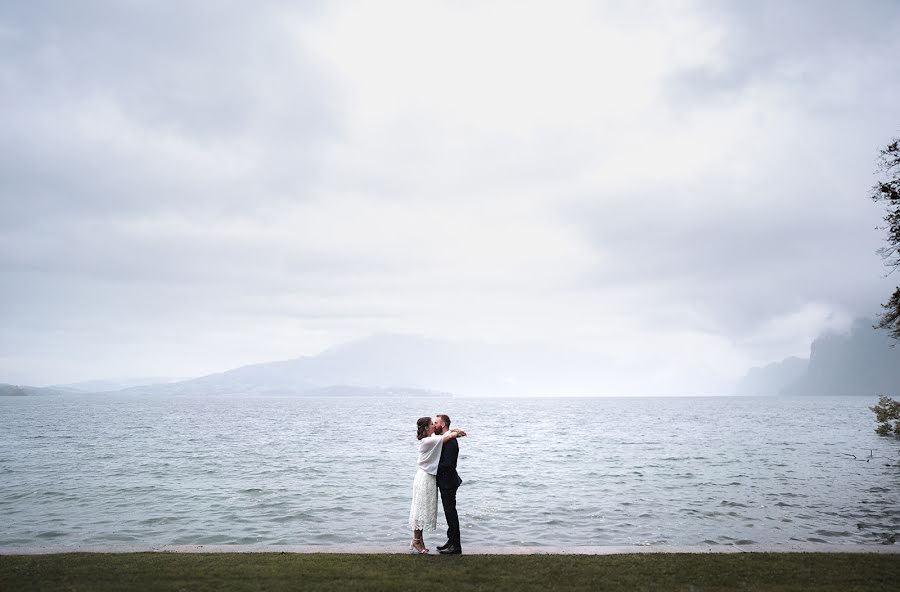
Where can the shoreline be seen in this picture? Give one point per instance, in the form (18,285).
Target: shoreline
(468,550)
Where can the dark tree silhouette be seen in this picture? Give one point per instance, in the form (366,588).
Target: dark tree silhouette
(887,190)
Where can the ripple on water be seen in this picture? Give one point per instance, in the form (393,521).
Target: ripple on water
(295,517)
(833,533)
(161,520)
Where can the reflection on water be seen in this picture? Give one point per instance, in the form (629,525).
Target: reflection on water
(615,471)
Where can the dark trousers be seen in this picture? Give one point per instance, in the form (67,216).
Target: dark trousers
(448,500)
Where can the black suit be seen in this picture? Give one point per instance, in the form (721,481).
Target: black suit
(448,482)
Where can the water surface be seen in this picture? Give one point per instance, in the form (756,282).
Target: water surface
(106,470)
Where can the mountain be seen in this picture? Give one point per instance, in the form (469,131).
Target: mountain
(13,390)
(392,364)
(862,362)
(104,386)
(771,379)
(408,364)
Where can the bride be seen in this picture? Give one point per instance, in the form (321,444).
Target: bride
(423,512)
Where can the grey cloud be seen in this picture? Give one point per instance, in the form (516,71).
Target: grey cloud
(127,128)
(207,77)
(828,69)
(119,115)
(793,44)
(724,264)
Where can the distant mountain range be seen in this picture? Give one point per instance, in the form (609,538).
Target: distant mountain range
(105,386)
(386,364)
(859,363)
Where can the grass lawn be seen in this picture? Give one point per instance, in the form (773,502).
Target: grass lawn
(289,571)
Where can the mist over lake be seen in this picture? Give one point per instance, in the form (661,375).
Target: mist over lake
(110,469)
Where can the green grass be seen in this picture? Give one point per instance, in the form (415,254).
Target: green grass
(288,571)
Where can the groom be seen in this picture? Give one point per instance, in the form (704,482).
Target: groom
(448,482)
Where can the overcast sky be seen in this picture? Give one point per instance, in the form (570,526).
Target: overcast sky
(678,187)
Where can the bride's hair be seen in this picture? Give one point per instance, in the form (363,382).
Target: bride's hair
(422,427)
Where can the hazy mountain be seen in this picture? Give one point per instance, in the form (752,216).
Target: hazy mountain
(103,386)
(13,390)
(391,363)
(284,377)
(861,362)
(771,379)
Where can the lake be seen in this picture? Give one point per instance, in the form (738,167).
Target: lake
(107,470)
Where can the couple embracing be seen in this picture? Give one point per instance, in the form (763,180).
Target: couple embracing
(438,452)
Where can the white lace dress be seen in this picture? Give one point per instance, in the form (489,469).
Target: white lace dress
(423,511)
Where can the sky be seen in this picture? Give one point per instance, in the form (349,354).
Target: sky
(679,188)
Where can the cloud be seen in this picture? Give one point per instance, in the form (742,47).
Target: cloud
(141,108)
(817,52)
(678,190)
